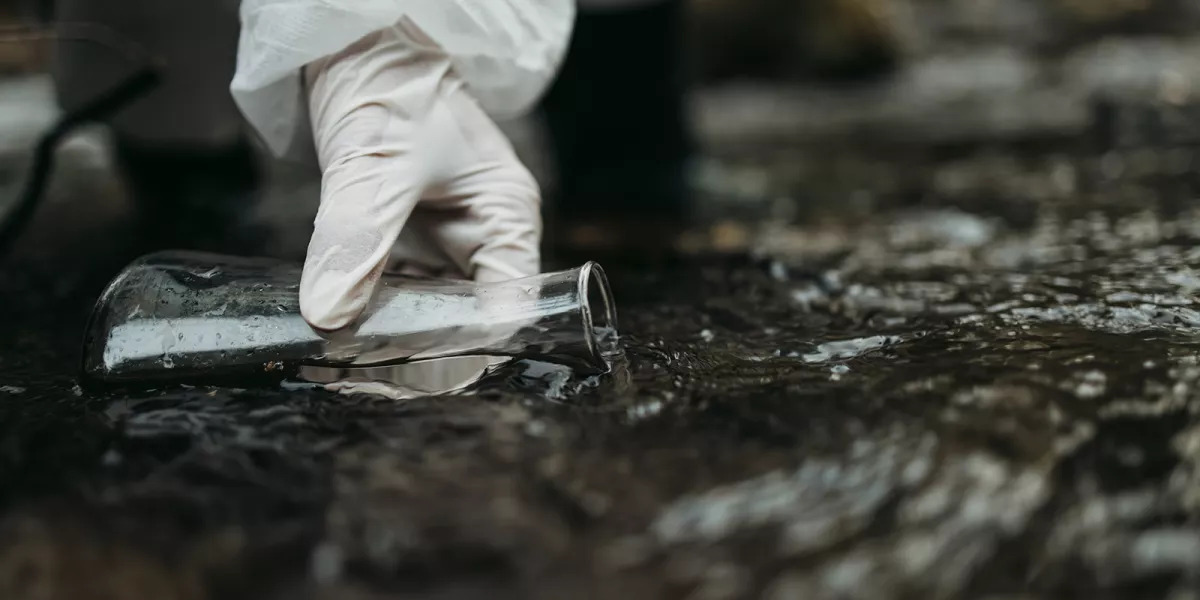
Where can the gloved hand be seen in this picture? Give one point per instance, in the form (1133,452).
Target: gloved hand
(413,169)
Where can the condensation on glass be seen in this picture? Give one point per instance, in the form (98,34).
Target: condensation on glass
(175,315)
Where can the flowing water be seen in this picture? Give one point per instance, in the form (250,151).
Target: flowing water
(977,377)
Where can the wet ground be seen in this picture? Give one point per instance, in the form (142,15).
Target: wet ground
(909,371)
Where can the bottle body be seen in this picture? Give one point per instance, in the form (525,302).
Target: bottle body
(179,315)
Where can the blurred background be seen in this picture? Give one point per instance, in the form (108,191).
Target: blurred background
(748,103)
(908,291)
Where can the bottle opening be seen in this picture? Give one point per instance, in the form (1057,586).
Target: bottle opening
(599,313)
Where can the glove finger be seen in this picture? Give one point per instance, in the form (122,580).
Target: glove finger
(485,212)
(418,253)
(488,222)
(491,225)
(352,238)
(367,139)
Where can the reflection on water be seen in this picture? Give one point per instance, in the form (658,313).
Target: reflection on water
(401,382)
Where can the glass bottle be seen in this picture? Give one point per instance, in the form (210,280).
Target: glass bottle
(189,315)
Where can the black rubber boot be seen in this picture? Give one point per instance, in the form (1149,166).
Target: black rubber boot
(617,118)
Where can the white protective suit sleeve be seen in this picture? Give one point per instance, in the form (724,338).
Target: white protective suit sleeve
(507,51)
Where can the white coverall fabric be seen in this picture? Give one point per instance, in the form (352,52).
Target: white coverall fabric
(507,51)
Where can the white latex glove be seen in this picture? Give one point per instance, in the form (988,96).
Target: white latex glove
(408,156)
